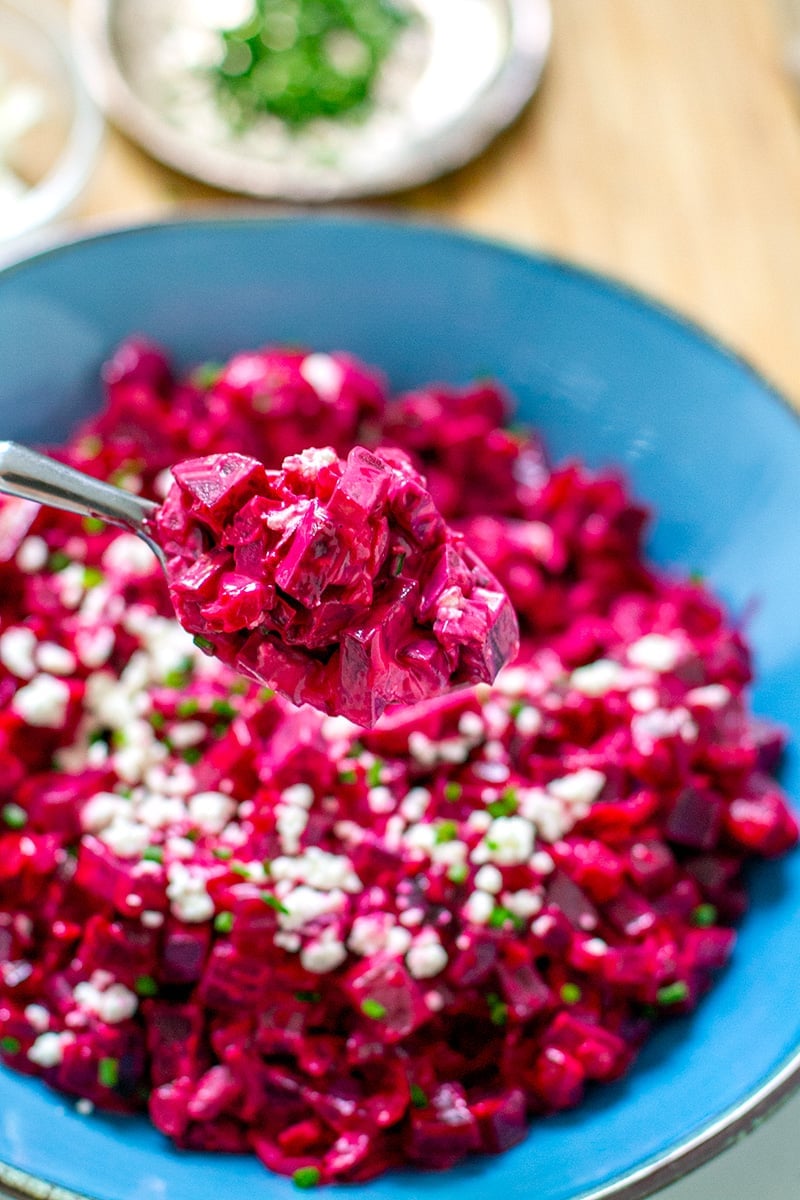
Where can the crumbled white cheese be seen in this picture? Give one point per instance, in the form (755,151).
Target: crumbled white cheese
(32,555)
(129,555)
(101,809)
(415,803)
(525,903)
(300,794)
(655,652)
(305,904)
(211,811)
(290,821)
(37,1017)
(17,649)
(489,879)
(380,800)
(479,907)
(43,702)
(324,954)
(597,678)
(324,375)
(426,958)
(125,838)
(188,896)
(55,659)
(509,840)
(713,695)
(581,787)
(48,1050)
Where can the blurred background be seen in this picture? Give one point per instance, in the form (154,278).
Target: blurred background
(656,141)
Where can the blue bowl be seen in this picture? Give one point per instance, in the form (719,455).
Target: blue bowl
(605,375)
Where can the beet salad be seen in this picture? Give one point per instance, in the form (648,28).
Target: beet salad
(342,948)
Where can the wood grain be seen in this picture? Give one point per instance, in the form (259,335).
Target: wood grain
(663,148)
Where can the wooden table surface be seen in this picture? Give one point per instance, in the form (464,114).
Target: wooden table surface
(662,148)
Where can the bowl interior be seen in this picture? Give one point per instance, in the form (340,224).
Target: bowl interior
(605,376)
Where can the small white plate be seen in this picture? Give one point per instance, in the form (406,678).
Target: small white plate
(459,74)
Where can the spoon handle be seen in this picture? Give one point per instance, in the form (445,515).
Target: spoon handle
(32,476)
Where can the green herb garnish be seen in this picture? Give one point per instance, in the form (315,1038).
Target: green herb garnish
(274,902)
(203,643)
(223,922)
(452,791)
(673,993)
(373,1009)
(10,1045)
(418,1098)
(145,985)
(306,1177)
(108,1072)
(571,993)
(704,916)
(13,816)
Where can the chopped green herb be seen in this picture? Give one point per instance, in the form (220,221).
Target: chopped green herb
(192,755)
(321,60)
(94,525)
(90,446)
(207,374)
(571,993)
(397,563)
(704,916)
(265,695)
(118,738)
(187,708)
(505,805)
(97,735)
(308,997)
(673,993)
(452,791)
(274,902)
(203,643)
(458,873)
(446,831)
(223,852)
(500,915)
(10,1045)
(418,1098)
(306,1177)
(223,708)
(13,816)
(515,708)
(373,1009)
(348,775)
(498,1009)
(176,679)
(153,854)
(92,577)
(223,922)
(492,845)
(108,1072)
(240,868)
(375,773)
(157,720)
(58,560)
(145,985)
(356,750)
(220,729)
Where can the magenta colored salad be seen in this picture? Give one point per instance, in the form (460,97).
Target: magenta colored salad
(346,949)
(336,582)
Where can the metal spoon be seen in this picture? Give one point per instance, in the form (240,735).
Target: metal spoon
(32,476)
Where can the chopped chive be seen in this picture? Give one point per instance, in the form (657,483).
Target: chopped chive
(673,993)
(92,577)
(203,643)
(187,708)
(153,854)
(223,708)
(93,525)
(446,831)
(223,922)
(58,561)
(145,985)
(452,791)
(373,1009)
(306,1177)
(498,1009)
(505,805)
(356,750)
(500,915)
(176,679)
(108,1072)
(220,729)
(192,835)
(704,916)
(206,375)
(418,1098)
(157,720)
(458,873)
(397,563)
(13,816)
(274,902)
(348,775)
(492,845)
(118,739)
(97,735)
(374,773)
(515,708)
(223,852)
(192,755)
(571,993)
(265,695)
(10,1045)
(308,997)
(239,868)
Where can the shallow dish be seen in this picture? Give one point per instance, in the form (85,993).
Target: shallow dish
(605,375)
(461,72)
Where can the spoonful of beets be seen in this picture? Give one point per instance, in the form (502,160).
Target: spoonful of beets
(334,581)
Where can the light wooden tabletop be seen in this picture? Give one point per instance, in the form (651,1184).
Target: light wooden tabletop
(663,148)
